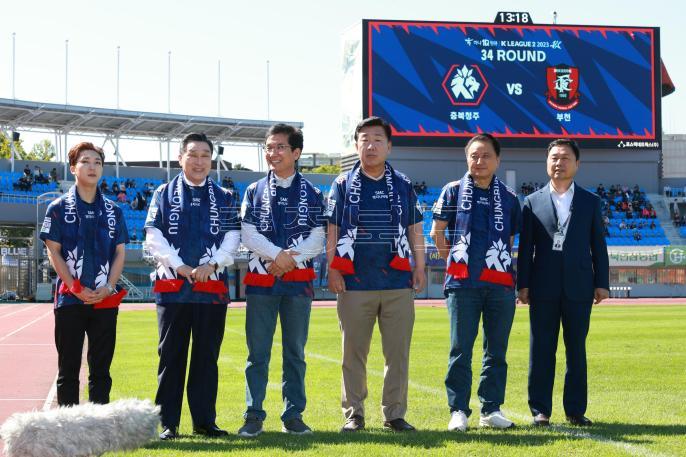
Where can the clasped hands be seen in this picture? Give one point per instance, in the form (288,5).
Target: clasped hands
(89,296)
(201,273)
(283,263)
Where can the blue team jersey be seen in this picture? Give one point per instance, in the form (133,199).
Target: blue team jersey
(53,232)
(374,242)
(283,216)
(445,210)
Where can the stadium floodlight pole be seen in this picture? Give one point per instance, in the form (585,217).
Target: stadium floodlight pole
(268,90)
(66,72)
(168,158)
(168,85)
(14,63)
(117,77)
(219,88)
(554,17)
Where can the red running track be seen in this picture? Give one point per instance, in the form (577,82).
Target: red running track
(28,359)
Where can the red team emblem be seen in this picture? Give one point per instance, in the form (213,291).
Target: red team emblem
(563,87)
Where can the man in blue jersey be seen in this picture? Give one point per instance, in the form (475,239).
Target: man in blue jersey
(193,232)
(374,224)
(283,227)
(475,220)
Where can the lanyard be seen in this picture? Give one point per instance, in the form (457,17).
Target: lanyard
(562,228)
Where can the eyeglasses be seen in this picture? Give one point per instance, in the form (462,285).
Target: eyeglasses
(278,148)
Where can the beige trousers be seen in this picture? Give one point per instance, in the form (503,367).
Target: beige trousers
(358,310)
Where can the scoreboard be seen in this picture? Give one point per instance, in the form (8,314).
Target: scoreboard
(439,83)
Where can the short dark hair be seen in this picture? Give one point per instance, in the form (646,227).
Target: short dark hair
(564,142)
(295,136)
(484,138)
(372,122)
(191,137)
(76,151)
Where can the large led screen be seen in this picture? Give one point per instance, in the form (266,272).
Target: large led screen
(439,83)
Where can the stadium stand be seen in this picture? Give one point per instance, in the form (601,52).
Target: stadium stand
(628,214)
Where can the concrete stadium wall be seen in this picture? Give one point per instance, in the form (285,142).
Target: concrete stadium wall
(437,166)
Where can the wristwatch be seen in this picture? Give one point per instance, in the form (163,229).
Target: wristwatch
(213,263)
(111,289)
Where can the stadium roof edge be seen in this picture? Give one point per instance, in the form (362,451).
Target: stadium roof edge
(117,123)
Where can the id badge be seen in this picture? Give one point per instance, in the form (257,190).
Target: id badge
(558,241)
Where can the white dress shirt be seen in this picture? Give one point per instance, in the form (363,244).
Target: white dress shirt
(308,248)
(158,246)
(562,202)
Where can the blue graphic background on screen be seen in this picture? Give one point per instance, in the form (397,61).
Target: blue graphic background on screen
(615,81)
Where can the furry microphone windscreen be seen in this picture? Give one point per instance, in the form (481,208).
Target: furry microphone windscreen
(82,430)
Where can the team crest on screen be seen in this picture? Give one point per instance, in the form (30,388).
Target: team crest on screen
(563,87)
(465,84)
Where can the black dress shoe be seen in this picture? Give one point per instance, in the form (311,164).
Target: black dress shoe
(169,433)
(579,421)
(398,425)
(541,420)
(211,431)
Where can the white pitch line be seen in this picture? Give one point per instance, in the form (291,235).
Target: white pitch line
(26,325)
(632,449)
(51,394)
(18,311)
(21,399)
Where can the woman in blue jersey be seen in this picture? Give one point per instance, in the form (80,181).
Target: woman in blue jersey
(85,234)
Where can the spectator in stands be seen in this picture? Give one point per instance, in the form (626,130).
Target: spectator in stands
(629,214)
(622,225)
(85,235)
(652,225)
(27,172)
(653,214)
(115,188)
(121,196)
(133,236)
(422,188)
(637,236)
(606,221)
(149,189)
(23,183)
(601,190)
(475,286)
(192,247)
(130,183)
(53,174)
(645,212)
(104,188)
(139,202)
(38,176)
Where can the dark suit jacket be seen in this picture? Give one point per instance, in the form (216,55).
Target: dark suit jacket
(582,265)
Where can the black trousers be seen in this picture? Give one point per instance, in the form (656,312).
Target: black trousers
(72,323)
(545,318)
(176,323)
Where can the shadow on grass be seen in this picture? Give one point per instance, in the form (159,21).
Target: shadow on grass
(426,439)
(627,432)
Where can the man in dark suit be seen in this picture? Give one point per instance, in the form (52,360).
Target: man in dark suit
(562,268)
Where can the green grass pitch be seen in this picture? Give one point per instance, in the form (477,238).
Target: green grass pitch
(637,385)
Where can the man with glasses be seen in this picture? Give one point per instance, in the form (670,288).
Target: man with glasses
(193,232)
(283,227)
